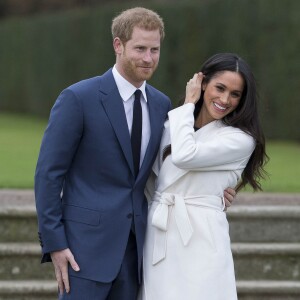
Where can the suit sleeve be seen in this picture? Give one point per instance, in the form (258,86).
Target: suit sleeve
(228,150)
(59,145)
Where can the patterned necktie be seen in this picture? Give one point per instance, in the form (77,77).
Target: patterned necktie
(136,131)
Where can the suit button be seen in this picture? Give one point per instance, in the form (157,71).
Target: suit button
(129,216)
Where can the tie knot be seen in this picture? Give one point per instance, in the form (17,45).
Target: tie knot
(137,94)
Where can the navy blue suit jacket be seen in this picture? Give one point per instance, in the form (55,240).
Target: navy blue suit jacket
(85,188)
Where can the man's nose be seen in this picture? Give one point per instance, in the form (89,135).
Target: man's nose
(147,56)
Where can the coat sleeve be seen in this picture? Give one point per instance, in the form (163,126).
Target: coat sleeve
(59,145)
(230,149)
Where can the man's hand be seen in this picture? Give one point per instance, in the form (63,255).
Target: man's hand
(60,260)
(229,195)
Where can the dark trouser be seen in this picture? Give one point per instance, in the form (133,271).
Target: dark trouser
(124,287)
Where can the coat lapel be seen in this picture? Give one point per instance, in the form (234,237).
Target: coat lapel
(114,108)
(167,172)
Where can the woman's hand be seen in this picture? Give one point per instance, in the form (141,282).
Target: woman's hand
(193,88)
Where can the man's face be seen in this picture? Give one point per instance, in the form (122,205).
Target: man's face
(138,58)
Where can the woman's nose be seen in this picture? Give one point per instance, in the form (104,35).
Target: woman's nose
(224,98)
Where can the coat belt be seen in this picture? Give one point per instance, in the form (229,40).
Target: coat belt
(161,215)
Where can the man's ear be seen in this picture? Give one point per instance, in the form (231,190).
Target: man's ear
(118,45)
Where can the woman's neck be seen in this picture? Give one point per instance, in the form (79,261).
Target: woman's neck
(202,119)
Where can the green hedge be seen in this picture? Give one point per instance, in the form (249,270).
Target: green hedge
(42,55)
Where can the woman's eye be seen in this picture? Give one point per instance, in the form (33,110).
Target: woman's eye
(236,95)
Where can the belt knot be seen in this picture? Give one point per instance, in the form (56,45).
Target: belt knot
(160,220)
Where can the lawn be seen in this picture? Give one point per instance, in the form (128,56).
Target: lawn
(20,138)
(283,167)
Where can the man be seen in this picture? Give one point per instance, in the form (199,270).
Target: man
(89,181)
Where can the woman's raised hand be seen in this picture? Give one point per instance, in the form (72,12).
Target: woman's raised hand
(193,88)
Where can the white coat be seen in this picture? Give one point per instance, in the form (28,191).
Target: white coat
(187,254)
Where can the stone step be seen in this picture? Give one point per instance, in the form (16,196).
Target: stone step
(268,290)
(247,290)
(267,261)
(18,224)
(261,198)
(28,290)
(18,221)
(262,223)
(265,233)
(247,224)
(253,217)
(20,261)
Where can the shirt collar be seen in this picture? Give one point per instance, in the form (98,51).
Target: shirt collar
(126,89)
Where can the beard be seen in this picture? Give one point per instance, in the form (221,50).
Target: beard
(138,72)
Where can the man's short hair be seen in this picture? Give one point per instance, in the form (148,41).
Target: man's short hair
(123,24)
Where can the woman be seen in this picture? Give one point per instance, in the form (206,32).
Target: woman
(211,142)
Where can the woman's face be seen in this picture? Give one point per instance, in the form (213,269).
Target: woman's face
(222,95)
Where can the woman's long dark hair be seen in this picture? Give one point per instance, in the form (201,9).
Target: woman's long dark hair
(244,117)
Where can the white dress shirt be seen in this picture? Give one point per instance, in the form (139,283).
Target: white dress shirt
(126,90)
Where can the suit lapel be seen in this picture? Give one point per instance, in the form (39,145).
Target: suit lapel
(157,118)
(114,108)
